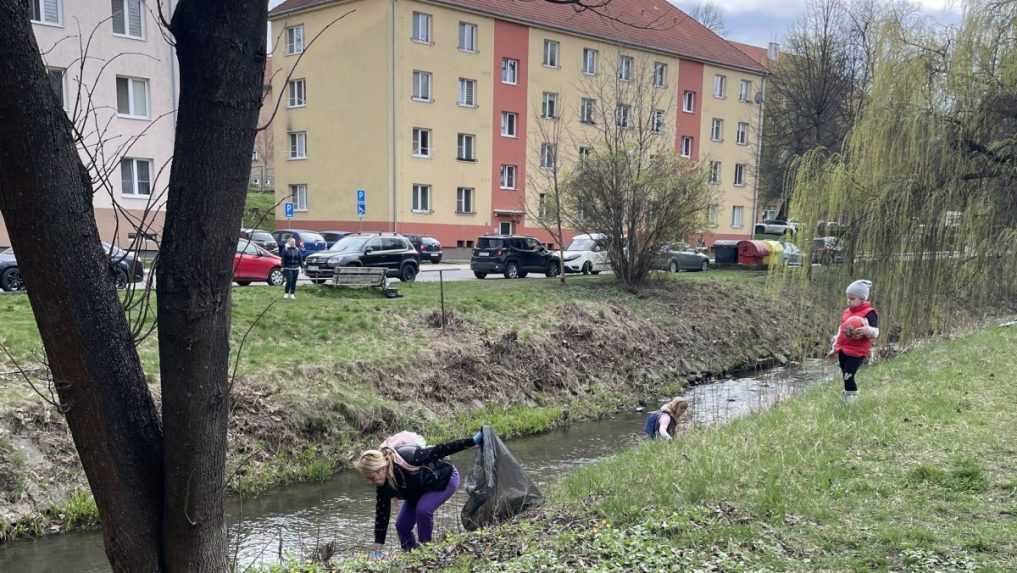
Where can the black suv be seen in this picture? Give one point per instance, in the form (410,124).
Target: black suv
(514,256)
(428,247)
(387,250)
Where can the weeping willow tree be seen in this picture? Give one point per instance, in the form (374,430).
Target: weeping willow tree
(923,192)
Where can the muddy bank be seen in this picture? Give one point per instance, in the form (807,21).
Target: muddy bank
(579,359)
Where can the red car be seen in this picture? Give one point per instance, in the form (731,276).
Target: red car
(253,263)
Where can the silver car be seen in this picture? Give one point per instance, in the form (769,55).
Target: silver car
(681,257)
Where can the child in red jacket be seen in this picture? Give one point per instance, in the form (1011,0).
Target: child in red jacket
(853,341)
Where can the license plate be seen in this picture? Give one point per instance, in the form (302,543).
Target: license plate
(483,254)
(312,267)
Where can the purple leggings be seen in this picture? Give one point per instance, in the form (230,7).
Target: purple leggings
(421,514)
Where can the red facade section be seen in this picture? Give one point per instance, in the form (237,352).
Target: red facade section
(511,41)
(690,79)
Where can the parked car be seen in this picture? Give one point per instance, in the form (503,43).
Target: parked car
(681,257)
(307,241)
(514,256)
(263,239)
(792,255)
(253,263)
(827,250)
(428,247)
(778,227)
(386,250)
(331,237)
(125,268)
(587,254)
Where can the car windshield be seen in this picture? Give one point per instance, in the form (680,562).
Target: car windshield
(262,237)
(312,238)
(584,244)
(115,252)
(490,243)
(7,252)
(349,244)
(429,241)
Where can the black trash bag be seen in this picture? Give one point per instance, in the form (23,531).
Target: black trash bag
(498,488)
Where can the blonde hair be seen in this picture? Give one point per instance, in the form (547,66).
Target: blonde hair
(372,461)
(676,407)
(291,242)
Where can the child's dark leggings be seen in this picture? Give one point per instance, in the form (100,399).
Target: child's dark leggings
(849,365)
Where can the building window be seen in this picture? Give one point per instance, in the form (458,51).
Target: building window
(623,115)
(505,227)
(659,74)
(590,61)
(717,130)
(421,198)
(298,194)
(467,37)
(421,142)
(509,71)
(421,27)
(586,110)
(584,153)
(135,176)
(295,40)
(549,106)
(689,101)
(421,85)
(736,216)
(744,90)
(298,93)
(132,97)
(686,146)
(625,68)
(508,123)
(466,148)
(47,12)
(551,53)
(56,81)
(712,215)
(548,153)
(542,206)
(719,86)
(464,200)
(742,134)
(128,18)
(714,177)
(254,155)
(467,92)
(298,145)
(508,177)
(657,124)
(739,178)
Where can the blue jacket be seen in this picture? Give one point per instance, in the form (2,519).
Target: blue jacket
(290,258)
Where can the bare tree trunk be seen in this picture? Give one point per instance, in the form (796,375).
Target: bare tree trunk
(221,51)
(46,201)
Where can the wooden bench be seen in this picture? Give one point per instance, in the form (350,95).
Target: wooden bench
(357,277)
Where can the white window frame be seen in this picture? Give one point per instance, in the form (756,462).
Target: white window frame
(134,177)
(462,193)
(420,79)
(547,155)
(467,93)
(659,75)
(424,32)
(552,54)
(623,115)
(127,25)
(715,172)
(293,47)
(717,129)
(299,195)
(737,216)
(466,142)
(625,64)
(687,143)
(509,119)
(510,67)
(739,175)
(501,227)
(131,80)
(421,199)
(720,86)
(689,101)
(549,105)
(591,58)
(292,101)
(745,91)
(295,137)
(507,176)
(587,110)
(742,133)
(658,121)
(584,153)
(419,149)
(42,12)
(469,37)
(713,215)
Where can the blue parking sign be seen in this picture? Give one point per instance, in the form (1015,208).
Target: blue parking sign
(361,203)
(288,208)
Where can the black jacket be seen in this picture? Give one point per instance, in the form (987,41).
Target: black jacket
(290,257)
(433,475)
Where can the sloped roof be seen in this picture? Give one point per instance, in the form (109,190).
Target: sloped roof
(759,54)
(651,24)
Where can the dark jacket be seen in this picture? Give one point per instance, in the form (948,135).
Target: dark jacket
(433,475)
(290,258)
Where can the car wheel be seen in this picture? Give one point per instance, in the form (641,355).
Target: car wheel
(480,275)
(595,273)
(705,266)
(244,283)
(587,268)
(120,278)
(673,267)
(553,268)
(512,270)
(276,277)
(408,273)
(318,281)
(435,261)
(522,274)
(11,280)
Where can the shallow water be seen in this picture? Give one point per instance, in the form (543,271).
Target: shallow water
(293,520)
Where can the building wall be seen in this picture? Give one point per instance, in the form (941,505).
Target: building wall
(263,158)
(511,41)
(690,78)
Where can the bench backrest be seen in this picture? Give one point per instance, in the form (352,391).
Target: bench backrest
(359,276)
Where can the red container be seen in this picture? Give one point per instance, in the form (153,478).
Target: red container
(752,253)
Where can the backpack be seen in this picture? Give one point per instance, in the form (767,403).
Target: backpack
(402,440)
(651,424)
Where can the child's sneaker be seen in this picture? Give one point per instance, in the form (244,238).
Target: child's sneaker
(850,397)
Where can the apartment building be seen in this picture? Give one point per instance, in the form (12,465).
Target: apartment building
(434,107)
(122,96)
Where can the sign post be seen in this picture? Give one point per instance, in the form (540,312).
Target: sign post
(361,207)
(288,209)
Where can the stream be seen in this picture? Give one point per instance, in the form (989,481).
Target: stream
(292,521)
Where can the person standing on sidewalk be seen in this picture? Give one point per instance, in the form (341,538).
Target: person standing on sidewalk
(291,267)
(859,326)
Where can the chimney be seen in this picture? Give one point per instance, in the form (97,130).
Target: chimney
(773,51)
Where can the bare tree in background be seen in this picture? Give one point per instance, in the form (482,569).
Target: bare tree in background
(710,15)
(546,185)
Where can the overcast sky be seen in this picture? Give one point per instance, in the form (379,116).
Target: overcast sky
(762,21)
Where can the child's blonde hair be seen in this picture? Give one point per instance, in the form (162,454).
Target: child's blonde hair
(372,461)
(676,407)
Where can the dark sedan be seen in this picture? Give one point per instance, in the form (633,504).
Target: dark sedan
(676,258)
(262,238)
(125,268)
(428,247)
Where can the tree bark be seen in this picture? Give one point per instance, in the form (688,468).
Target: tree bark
(221,52)
(46,201)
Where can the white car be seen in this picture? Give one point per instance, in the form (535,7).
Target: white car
(587,254)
